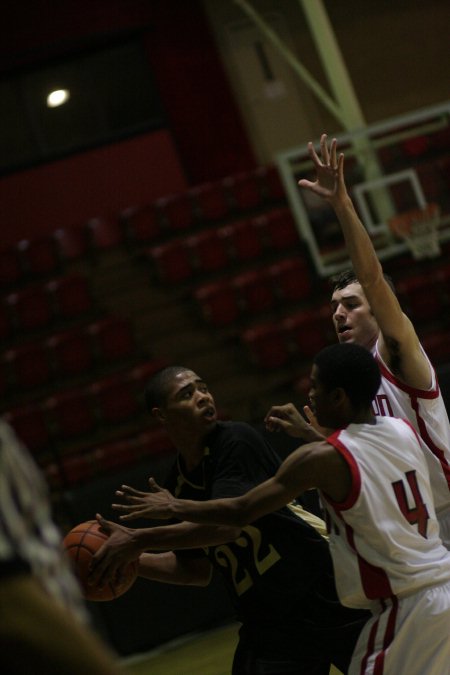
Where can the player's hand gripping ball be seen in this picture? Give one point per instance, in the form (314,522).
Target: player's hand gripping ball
(81,543)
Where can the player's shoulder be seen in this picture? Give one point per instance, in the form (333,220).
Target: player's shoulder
(237,430)
(232,438)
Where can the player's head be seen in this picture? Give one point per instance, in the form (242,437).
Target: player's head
(353,319)
(181,401)
(344,381)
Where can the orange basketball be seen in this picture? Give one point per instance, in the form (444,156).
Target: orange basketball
(81,543)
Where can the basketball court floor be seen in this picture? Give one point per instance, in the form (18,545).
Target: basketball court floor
(208,653)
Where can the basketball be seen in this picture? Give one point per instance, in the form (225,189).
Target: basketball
(81,543)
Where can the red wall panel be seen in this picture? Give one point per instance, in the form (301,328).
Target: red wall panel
(97,183)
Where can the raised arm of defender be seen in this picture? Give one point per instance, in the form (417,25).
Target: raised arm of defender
(398,341)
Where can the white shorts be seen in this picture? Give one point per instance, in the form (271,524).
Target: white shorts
(444,527)
(408,636)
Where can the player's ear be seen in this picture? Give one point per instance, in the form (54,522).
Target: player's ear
(158,414)
(339,396)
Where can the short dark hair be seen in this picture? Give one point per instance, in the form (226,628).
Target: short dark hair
(157,388)
(352,368)
(348,276)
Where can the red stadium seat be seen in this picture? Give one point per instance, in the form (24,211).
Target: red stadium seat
(273,188)
(141,374)
(11,270)
(243,240)
(28,365)
(4,380)
(266,345)
(72,414)
(6,326)
(115,399)
(72,242)
(114,455)
(291,279)
(71,296)
(105,233)
(244,189)
(419,296)
(254,290)
(437,346)
(175,211)
(30,424)
(113,339)
(142,224)
(210,201)
(30,309)
(281,229)
(218,302)
(172,261)
(153,442)
(75,469)
(308,331)
(39,256)
(70,353)
(208,251)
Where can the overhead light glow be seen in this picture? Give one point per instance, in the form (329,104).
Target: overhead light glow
(57,97)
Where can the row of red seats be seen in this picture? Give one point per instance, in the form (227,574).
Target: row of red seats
(224,302)
(81,467)
(214,250)
(301,335)
(77,413)
(426,296)
(212,201)
(43,305)
(70,353)
(44,256)
(47,255)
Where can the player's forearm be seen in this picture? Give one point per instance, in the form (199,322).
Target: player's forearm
(169,569)
(358,243)
(183,536)
(236,511)
(230,512)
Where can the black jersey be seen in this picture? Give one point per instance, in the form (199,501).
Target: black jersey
(279,564)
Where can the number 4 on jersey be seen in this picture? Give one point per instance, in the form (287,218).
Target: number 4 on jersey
(418,514)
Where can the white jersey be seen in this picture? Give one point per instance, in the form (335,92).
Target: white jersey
(384,538)
(426,412)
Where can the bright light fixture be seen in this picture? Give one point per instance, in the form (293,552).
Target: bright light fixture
(57,97)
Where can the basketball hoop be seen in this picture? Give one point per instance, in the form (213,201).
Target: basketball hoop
(419,229)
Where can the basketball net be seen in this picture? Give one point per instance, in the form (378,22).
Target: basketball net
(419,229)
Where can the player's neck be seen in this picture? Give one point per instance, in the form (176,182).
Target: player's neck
(191,448)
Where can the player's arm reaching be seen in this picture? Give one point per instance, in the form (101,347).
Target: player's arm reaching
(398,341)
(169,568)
(313,465)
(126,544)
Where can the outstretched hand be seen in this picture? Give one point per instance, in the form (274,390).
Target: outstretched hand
(118,550)
(288,419)
(153,504)
(329,182)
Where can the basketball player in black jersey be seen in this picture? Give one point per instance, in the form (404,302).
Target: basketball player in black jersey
(278,570)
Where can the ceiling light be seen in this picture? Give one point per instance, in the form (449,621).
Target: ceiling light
(57,97)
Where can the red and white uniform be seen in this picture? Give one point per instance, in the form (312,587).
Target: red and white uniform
(426,412)
(387,551)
